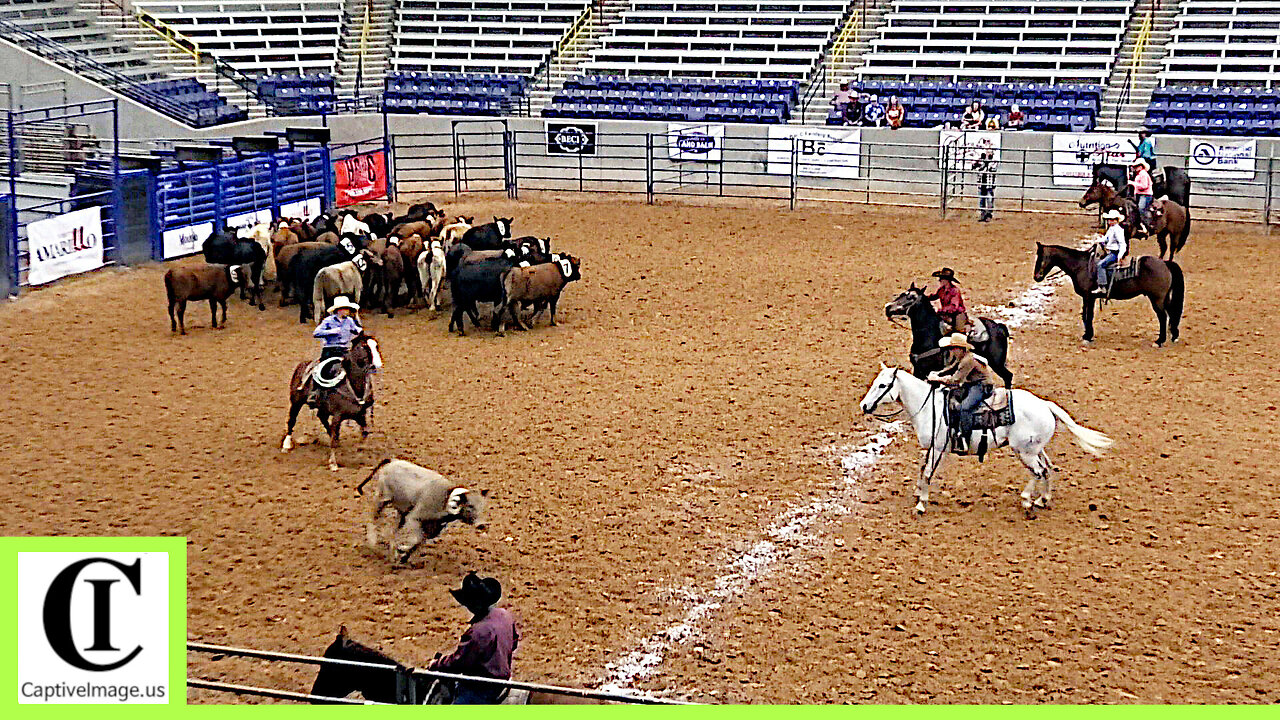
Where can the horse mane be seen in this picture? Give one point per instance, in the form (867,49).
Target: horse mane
(344,648)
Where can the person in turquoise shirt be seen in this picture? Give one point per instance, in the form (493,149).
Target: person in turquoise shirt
(1147,148)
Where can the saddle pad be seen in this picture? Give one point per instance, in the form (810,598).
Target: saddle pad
(1125,272)
(996,412)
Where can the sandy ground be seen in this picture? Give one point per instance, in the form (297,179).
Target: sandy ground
(701,373)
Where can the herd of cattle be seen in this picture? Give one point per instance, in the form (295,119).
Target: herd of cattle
(380,261)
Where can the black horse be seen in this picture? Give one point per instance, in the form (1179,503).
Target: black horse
(1173,182)
(926,331)
(339,681)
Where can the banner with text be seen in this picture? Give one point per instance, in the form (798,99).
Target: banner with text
(703,143)
(1217,160)
(820,152)
(360,178)
(1075,154)
(65,245)
(180,242)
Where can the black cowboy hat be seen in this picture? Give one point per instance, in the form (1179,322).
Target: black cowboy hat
(947,273)
(477,592)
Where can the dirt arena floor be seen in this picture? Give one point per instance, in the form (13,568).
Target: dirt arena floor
(702,372)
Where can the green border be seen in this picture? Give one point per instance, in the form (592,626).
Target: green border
(175,547)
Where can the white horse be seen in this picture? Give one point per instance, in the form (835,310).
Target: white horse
(1035,420)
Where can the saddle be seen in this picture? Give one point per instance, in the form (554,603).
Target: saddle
(994,412)
(1126,269)
(323,375)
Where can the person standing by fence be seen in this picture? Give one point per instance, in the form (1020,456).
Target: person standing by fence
(985,166)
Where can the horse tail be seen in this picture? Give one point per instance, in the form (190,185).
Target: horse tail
(360,487)
(168,289)
(1186,228)
(1091,440)
(1177,286)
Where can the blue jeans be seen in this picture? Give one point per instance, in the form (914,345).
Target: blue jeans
(1144,202)
(476,694)
(1103,264)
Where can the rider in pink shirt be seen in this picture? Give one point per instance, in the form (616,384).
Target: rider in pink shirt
(1142,190)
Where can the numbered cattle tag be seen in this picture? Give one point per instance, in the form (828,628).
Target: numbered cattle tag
(523,264)
(393,240)
(566,268)
(234,273)
(360,262)
(346,244)
(509,253)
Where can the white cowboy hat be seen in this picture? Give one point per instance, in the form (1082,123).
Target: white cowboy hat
(1141,162)
(342,301)
(955,340)
(1113,215)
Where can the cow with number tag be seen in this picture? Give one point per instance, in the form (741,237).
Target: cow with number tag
(310,261)
(538,286)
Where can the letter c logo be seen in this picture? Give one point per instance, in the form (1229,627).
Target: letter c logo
(57,613)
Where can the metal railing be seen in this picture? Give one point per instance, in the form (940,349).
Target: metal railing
(1139,49)
(185,44)
(569,37)
(403,671)
(834,54)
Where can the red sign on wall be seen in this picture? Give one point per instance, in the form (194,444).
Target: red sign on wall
(360,178)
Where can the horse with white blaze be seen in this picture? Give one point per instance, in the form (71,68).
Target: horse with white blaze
(1035,421)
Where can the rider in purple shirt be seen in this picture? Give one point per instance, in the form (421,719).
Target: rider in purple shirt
(486,647)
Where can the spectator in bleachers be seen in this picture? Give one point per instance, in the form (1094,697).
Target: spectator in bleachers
(873,113)
(973,117)
(841,98)
(1147,148)
(895,113)
(993,122)
(1016,120)
(853,110)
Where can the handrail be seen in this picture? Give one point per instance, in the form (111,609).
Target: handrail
(1139,49)
(833,54)
(435,674)
(570,35)
(364,46)
(221,68)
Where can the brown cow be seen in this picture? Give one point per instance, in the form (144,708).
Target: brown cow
(536,285)
(283,262)
(410,248)
(214,283)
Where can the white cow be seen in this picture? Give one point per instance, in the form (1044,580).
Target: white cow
(426,501)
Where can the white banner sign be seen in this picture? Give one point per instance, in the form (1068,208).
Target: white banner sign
(704,143)
(966,146)
(1075,154)
(1217,160)
(248,220)
(181,242)
(65,245)
(308,209)
(820,152)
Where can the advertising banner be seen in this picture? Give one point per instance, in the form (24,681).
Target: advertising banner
(360,178)
(1218,160)
(1075,154)
(571,138)
(308,209)
(821,152)
(700,143)
(180,242)
(65,245)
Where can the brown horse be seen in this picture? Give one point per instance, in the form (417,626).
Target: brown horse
(350,400)
(1170,222)
(1160,281)
(378,685)
(1105,193)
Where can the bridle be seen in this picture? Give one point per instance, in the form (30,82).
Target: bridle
(876,404)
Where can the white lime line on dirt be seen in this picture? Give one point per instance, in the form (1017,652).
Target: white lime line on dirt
(795,528)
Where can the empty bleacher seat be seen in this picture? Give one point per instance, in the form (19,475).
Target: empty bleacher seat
(495,36)
(1224,42)
(453,93)
(314,94)
(687,99)
(1217,111)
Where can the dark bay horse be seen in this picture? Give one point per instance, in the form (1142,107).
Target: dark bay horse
(1111,199)
(337,681)
(1170,223)
(1173,182)
(350,400)
(926,331)
(1160,281)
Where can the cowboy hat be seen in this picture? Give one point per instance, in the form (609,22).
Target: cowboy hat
(947,273)
(477,592)
(342,301)
(1141,162)
(1113,214)
(955,340)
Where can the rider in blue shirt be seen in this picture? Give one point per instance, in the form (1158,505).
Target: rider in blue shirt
(337,331)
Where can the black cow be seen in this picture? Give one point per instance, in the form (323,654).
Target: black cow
(490,236)
(534,249)
(308,262)
(473,283)
(416,213)
(1173,182)
(224,248)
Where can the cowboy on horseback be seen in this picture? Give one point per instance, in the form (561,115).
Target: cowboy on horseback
(1116,246)
(336,331)
(950,303)
(968,375)
(486,647)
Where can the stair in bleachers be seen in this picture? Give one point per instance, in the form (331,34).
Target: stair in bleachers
(678,99)
(455,93)
(721,39)
(1124,104)
(604,13)
(375,44)
(176,63)
(61,22)
(844,57)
